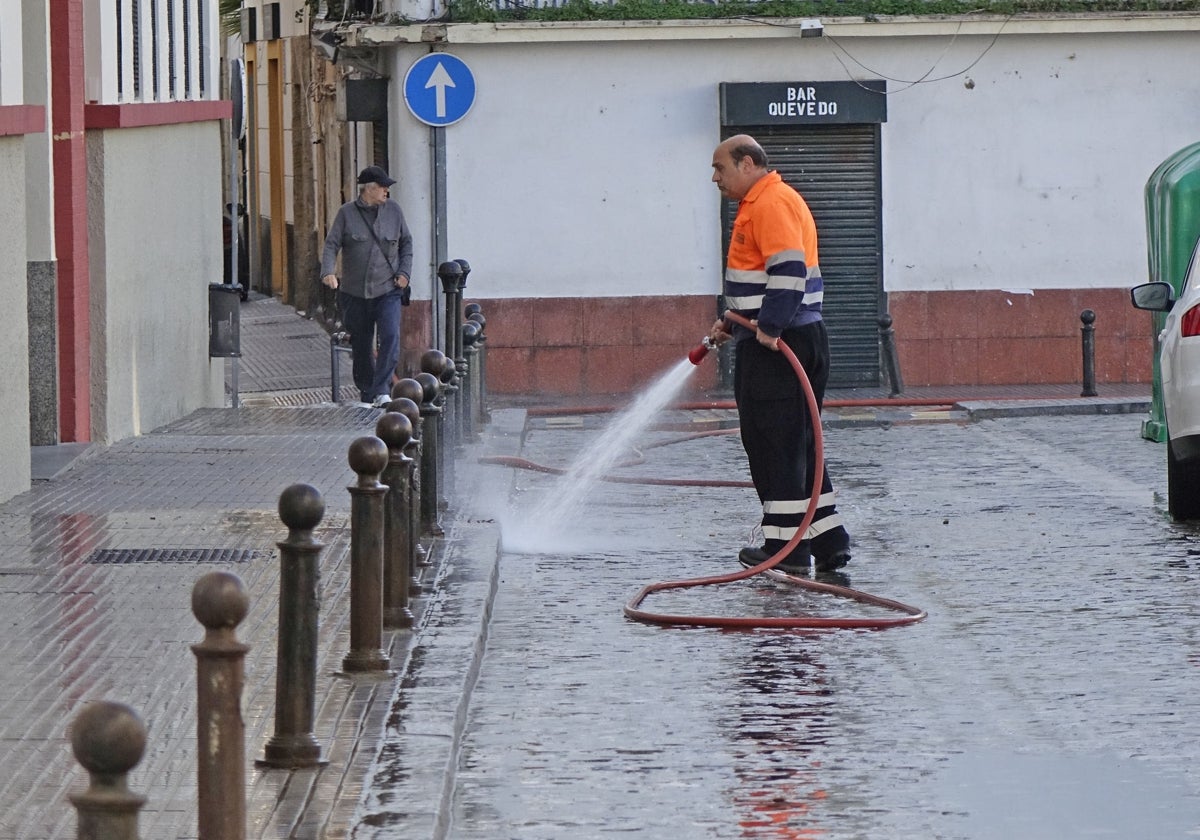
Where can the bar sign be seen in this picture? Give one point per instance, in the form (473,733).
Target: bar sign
(803,103)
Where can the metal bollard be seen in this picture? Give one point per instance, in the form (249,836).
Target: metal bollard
(220,602)
(449,272)
(460,359)
(108,739)
(430,444)
(407,396)
(435,362)
(451,424)
(1088,317)
(417,557)
(368,457)
(470,332)
(294,745)
(891,362)
(339,342)
(442,367)
(481,412)
(395,430)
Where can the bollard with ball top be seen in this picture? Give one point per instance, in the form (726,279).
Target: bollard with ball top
(475,313)
(450,273)
(450,424)
(220,602)
(395,430)
(411,409)
(470,332)
(430,454)
(294,745)
(1088,331)
(108,739)
(441,366)
(459,355)
(368,457)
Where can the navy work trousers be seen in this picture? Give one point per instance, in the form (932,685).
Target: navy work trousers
(777,433)
(374,327)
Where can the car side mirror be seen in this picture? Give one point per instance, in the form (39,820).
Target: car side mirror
(1153,296)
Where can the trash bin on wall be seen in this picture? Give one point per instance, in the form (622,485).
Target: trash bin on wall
(224,321)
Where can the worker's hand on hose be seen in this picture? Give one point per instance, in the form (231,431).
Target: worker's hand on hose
(770,341)
(718,334)
(330,280)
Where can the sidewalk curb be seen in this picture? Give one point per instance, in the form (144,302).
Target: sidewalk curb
(991,409)
(411,782)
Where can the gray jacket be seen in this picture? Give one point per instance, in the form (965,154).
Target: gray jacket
(367,271)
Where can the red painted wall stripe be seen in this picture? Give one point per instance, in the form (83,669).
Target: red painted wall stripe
(70,219)
(142,114)
(22,119)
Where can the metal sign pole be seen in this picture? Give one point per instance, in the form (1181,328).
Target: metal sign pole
(236,88)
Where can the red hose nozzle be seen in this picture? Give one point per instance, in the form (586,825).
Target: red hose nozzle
(700,351)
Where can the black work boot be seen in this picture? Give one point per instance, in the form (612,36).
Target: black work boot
(833,562)
(796,563)
(831,550)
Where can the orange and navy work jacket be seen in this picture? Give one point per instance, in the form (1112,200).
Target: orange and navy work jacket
(772,273)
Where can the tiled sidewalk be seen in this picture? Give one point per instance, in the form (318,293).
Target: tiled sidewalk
(99,566)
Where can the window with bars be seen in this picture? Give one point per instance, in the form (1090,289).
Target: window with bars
(150,50)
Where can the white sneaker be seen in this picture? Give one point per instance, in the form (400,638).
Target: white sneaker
(382,400)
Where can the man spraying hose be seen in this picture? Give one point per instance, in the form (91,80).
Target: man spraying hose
(773,278)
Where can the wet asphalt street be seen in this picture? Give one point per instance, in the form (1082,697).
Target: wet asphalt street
(1051,693)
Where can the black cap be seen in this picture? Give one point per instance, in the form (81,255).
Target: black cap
(375,175)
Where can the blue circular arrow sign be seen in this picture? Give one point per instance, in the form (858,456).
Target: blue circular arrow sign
(439,89)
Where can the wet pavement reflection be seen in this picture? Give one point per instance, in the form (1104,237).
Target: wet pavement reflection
(1051,693)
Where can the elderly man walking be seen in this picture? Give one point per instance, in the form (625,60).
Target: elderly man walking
(376,248)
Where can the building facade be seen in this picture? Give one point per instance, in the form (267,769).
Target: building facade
(111,140)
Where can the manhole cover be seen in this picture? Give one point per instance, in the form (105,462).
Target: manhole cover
(176,555)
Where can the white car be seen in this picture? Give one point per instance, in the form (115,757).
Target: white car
(1179,363)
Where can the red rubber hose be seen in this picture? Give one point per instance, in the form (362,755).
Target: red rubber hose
(911,614)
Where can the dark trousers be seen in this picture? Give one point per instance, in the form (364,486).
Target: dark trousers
(777,433)
(374,327)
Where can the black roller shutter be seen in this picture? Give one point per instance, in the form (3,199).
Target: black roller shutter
(836,168)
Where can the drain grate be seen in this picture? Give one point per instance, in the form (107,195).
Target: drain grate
(177,555)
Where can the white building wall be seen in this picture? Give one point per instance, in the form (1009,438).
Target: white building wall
(38,151)
(14,338)
(12,77)
(583,168)
(154,224)
(1027,171)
